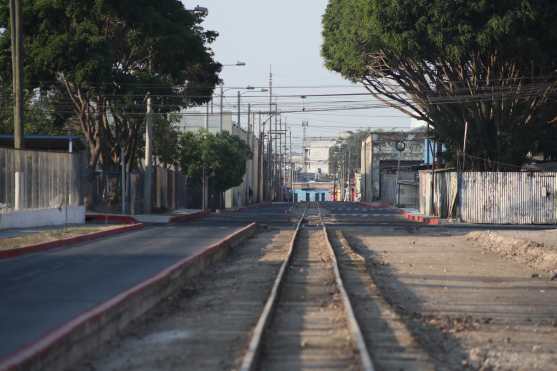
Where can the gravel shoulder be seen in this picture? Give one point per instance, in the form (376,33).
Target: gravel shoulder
(537,249)
(206,325)
(468,308)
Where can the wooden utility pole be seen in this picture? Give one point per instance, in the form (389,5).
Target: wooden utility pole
(148,179)
(16,29)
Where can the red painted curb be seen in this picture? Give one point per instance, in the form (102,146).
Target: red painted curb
(429,220)
(188,217)
(108,218)
(66,242)
(420,218)
(37,350)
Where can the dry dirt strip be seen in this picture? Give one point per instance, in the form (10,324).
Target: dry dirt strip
(467,308)
(61,348)
(391,344)
(47,241)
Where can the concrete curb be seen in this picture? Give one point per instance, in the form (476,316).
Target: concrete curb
(189,217)
(429,220)
(66,242)
(61,348)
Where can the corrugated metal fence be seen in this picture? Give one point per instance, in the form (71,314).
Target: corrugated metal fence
(491,197)
(50,178)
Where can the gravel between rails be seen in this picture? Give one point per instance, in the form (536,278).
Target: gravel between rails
(309,328)
(391,344)
(208,323)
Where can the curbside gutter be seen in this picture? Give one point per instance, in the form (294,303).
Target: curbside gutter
(189,217)
(255,206)
(62,347)
(377,205)
(114,219)
(67,242)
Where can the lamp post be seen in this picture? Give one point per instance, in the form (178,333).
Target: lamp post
(237,64)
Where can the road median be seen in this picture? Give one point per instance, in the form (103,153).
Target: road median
(67,242)
(62,347)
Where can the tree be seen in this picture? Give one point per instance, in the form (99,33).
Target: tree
(223,156)
(350,143)
(106,56)
(489,63)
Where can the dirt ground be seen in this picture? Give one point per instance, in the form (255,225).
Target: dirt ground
(14,239)
(205,326)
(537,249)
(468,308)
(389,341)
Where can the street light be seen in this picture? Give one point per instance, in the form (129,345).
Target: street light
(237,64)
(250,88)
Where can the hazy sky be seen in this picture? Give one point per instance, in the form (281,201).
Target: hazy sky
(287,35)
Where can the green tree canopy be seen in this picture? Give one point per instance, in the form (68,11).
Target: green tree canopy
(107,56)
(489,63)
(223,156)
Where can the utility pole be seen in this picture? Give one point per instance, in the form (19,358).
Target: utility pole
(249,174)
(291,168)
(239,97)
(221,106)
(270,160)
(207,118)
(148,177)
(305,124)
(16,30)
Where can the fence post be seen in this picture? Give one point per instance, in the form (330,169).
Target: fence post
(19,190)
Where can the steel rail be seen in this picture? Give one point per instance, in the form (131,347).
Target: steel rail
(251,357)
(354,327)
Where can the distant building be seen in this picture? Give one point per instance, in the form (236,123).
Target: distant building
(193,121)
(389,167)
(317,156)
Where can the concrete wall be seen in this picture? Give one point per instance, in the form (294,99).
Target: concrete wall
(239,196)
(380,148)
(30,218)
(318,156)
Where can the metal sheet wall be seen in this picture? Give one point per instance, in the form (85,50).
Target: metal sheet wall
(509,198)
(50,178)
(492,197)
(445,196)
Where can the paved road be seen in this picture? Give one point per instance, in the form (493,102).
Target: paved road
(40,292)
(353,213)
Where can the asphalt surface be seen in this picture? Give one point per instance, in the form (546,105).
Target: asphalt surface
(42,291)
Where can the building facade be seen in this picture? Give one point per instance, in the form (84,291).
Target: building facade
(389,167)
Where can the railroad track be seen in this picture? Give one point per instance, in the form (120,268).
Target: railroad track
(308,320)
